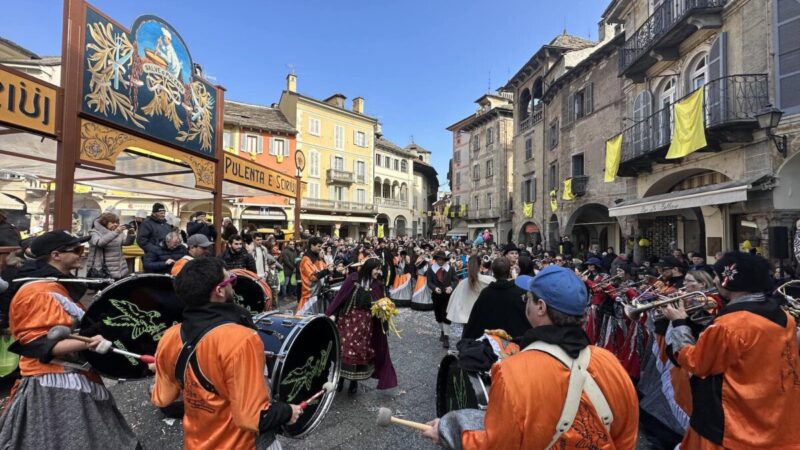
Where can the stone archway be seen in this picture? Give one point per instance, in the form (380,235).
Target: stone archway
(590,224)
(400,225)
(529,233)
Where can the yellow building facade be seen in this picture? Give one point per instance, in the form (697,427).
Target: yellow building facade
(338,144)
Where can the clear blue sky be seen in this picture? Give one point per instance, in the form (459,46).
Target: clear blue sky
(418,64)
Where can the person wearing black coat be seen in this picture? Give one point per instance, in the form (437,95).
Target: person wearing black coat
(9,234)
(442,280)
(235,255)
(161,259)
(608,258)
(154,229)
(501,305)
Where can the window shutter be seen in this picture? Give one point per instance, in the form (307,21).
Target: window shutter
(242,142)
(260,145)
(568,108)
(787,67)
(717,91)
(588,97)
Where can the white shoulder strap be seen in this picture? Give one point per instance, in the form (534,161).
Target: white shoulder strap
(579,381)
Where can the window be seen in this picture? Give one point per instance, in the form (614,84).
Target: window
(457,157)
(361,196)
(314,127)
(489,135)
(476,203)
(338,137)
(338,193)
(404,166)
(378,160)
(489,200)
(313,190)
(251,143)
(787,56)
(476,143)
(458,180)
(552,135)
(338,163)
(388,162)
(528,149)
(278,147)
(529,190)
(227,139)
(580,104)
(698,75)
(489,168)
(360,138)
(396,164)
(476,172)
(642,108)
(361,171)
(577,165)
(313,163)
(552,177)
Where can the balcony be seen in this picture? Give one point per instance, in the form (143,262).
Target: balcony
(579,184)
(390,203)
(661,34)
(340,176)
(533,119)
(730,106)
(337,206)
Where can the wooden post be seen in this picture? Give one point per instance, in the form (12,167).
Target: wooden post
(219,173)
(70,139)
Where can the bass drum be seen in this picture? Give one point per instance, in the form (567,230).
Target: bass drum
(133,313)
(303,354)
(252,292)
(457,388)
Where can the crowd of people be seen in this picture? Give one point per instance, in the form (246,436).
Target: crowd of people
(593,346)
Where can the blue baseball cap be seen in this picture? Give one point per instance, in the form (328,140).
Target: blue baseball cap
(559,288)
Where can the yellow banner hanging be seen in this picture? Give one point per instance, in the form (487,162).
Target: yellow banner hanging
(453,214)
(336,233)
(447,210)
(380,231)
(527,210)
(568,195)
(689,134)
(279,157)
(430,213)
(613,157)
(463,211)
(553,200)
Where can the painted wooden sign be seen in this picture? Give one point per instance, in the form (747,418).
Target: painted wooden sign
(27,103)
(144,80)
(248,173)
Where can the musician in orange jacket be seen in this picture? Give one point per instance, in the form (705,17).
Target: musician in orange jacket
(225,394)
(312,270)
(198,248)
(531,391)
(745,370)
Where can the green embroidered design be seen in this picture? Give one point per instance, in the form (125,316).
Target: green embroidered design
(239,300)
(302,377)
(459,392)
(141,322)
(121,346)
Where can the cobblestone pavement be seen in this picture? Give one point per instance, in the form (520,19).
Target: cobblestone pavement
(350,423)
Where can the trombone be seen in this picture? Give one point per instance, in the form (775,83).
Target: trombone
(702,302)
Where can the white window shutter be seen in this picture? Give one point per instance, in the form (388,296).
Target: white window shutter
(588,98)
(272,146)
(260,148)
(242,142)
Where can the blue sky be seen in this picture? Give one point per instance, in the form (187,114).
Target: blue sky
(418,64)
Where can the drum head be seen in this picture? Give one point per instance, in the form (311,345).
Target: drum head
(312,358)
(133,314)
(251,291)
(455,387)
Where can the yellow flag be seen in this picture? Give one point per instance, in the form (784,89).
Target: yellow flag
(380,231)
(453,214)
(81,189)
(689,134)
(527,210)
(463,211)
(280,159)
(613,157)
(553,201)
(336,233)
(568,195)
(430,213)
(447,210)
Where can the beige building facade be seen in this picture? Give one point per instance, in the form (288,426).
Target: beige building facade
(393,185)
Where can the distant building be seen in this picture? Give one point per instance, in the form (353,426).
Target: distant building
(393,184)
(426,187)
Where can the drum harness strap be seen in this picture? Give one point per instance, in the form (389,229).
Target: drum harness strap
(188,355)
(579,381)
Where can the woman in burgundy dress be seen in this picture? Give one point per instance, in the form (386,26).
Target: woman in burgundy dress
(365,348)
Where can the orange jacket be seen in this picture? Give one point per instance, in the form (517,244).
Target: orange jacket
(308,269)
(231,357)
(528,393)
(746,383)
(35,309)
(177,266)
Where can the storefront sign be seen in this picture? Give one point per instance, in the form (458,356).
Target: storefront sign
(27,103)
(251,174)
(531,228)
(144,80)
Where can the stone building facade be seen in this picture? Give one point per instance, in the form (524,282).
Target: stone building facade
(394,181)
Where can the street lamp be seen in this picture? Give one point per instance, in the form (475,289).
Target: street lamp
(769,118)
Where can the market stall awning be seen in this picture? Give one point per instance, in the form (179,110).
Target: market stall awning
(715,194)
(461,231)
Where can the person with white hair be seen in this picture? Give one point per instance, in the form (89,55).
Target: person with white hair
(166,51)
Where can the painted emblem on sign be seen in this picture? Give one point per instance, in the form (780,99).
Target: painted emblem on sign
(139,321)
(301,378)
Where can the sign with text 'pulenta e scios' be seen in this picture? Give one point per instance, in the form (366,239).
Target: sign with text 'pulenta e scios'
(248,173)
(27,103)
(144,80)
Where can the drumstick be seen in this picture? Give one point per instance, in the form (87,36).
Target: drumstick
(62,332)
(327,387)
(385,417)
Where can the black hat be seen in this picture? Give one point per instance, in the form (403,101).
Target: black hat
(158,207)
(668,262)
(510,247)
(439,255)
(426,246)
(54,240)
(743,272)
(197,214)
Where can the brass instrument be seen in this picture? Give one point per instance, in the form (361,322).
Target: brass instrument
(702,302)
(792,304)
(605,283)
(67,280)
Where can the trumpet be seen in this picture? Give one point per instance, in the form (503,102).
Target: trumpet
(604,283)
(701,298)
(792,304)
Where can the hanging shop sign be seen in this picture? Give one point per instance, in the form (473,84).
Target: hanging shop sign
(27,103)
(144,80)
(248,173)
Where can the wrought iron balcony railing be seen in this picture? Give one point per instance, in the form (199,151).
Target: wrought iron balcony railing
(390,202)
(579,184)
(670,17)
(336,205)
(730,102)
(340,176)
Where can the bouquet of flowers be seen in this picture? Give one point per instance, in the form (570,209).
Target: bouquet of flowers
(384,309)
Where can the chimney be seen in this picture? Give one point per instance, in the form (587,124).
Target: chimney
(378,129)
(336,100)
(291,82)
(358,105)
